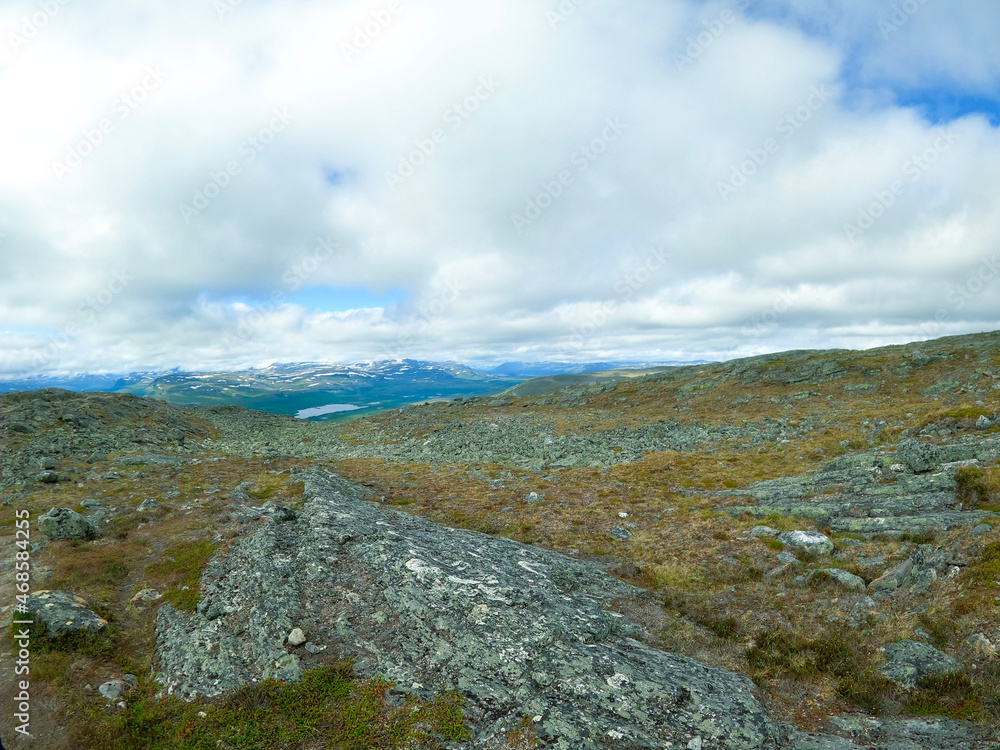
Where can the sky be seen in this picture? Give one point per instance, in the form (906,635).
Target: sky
(218,184)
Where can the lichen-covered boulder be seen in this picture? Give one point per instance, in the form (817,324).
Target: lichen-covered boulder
(910,661)
(834,576)
(518,631)
(917,456)
(810,542)
(63,613)
(63,523)
(916,573)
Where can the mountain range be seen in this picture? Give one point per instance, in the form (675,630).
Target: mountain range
(319,390)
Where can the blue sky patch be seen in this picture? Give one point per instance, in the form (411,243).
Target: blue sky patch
(330,299)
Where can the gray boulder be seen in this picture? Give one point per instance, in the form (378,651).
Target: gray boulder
(63,523)
(917,456)
(983,423)
(810,542)
(64,612)
(835,576)
(915,574)
(910,661)
(518,631)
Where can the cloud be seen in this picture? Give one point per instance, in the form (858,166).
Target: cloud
(163,167)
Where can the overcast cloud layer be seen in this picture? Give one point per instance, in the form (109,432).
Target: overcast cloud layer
(220,184)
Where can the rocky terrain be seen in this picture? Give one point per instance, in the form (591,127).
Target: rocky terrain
(796,551)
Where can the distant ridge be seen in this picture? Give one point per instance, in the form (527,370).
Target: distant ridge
(537,369)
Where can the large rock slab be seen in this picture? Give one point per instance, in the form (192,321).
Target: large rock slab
(519,631)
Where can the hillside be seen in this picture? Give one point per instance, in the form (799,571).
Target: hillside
(823,523)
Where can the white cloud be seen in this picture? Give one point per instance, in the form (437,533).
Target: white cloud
(490,107)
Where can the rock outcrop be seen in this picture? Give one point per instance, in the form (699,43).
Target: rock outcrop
(518,631)
(857,493)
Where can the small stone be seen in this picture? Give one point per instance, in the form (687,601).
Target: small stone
(787,558)
(312,648)
(758,531)
(533,498)
(296,637)
(863,606)
(983,528)
(149,504)
(112,690)
(983,423)
(981,645)
(48,477)
(621,533)
(47,463)
(146,595)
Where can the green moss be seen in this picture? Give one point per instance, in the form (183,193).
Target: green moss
(987,570)
(950,695)
(329,708)
(180,568)
(978,486)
